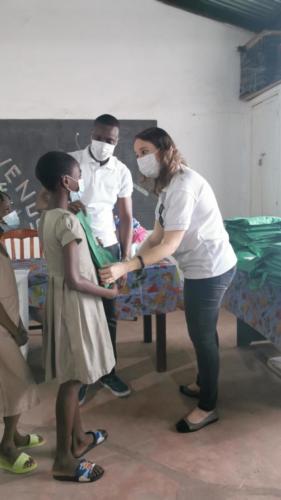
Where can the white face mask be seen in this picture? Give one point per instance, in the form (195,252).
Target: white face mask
(76,195)
(12,219)
(149,166)
(102,150)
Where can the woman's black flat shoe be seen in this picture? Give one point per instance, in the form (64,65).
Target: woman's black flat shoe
(184,389)
(184,425)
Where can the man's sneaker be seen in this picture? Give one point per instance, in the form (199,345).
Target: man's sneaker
(82,394)
(115,385)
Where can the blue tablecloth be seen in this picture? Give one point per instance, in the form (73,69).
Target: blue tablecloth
(259,308)
(159,292)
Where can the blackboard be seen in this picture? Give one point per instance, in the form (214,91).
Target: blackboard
(260,63)
(22,142)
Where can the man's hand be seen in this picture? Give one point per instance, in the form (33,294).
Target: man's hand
(76,206)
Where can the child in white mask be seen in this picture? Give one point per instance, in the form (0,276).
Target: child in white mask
(9,218)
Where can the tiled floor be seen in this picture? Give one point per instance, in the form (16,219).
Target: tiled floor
(144,458)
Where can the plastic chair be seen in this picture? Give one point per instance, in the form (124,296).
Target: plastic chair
(22,244)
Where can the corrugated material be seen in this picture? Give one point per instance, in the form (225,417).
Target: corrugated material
(254,15)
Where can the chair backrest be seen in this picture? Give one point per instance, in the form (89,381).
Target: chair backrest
(22,244)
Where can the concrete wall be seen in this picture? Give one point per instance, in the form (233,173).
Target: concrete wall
(134,59)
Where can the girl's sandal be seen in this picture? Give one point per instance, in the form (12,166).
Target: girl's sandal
(99,436)
(86,472)
(23,464)
(34,440)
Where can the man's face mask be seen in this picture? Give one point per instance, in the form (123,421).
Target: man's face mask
(101,150)
(12,219)
(149,166)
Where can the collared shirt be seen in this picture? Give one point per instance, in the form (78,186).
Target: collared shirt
(103,186)
(188,203)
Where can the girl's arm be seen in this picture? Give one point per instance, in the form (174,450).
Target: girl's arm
(168,245)
(18,332)
(75,281)
(6,321)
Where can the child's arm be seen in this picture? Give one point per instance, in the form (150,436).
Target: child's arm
(75,281)
(18,332)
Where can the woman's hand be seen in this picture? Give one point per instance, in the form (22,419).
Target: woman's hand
(110,274)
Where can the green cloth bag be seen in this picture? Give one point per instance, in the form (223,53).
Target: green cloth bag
(100,256)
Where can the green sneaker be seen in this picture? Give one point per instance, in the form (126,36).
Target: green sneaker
(115,385)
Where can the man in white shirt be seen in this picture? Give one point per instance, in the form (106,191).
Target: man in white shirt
(108,182)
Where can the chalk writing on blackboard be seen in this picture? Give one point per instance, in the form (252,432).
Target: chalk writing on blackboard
(17,182)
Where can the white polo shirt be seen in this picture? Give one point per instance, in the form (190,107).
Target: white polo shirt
(189,204)
(103,186)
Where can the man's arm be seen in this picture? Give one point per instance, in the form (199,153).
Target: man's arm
(124,206)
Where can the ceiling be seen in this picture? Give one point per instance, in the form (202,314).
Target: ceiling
(253,15)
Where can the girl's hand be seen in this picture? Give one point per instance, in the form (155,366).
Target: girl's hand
(110,274)
(20,335)
(112,292)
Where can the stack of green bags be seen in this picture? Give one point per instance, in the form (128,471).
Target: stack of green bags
(257,243)
(272,264)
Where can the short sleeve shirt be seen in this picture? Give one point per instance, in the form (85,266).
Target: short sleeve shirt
(103,186)
(189,204)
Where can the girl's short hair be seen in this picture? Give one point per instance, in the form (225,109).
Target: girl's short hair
(170,158)
(52,166)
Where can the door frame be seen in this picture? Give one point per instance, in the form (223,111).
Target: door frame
(265,96)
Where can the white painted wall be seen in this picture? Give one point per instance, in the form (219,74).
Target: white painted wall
(134,59)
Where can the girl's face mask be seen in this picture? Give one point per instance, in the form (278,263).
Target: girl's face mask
(76,195)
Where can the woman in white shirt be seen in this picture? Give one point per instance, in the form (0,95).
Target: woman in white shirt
(188,226)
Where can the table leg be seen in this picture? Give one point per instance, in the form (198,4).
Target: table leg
(246,334)
(161,357)
(147,328)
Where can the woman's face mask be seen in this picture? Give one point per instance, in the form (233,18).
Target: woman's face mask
(102,150)
(149,166)
(12,219)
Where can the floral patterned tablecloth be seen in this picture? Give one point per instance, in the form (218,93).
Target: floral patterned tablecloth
(259,308)
(158,292)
